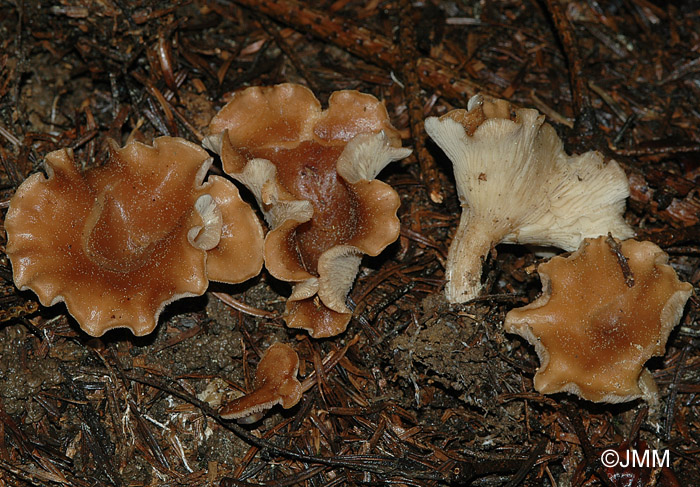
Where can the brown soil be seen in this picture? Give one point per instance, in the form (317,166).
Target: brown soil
(429,393)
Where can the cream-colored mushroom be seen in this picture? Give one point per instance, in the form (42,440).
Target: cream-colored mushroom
(517,185)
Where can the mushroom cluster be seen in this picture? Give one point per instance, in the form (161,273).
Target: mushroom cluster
(313,174)
(517,185)
(119,242)
(604,311)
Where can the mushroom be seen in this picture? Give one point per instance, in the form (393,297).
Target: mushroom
(604,311)
(119,242)
(275,383)
(313,174)
(517,185)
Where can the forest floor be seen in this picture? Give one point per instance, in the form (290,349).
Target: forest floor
(416,391)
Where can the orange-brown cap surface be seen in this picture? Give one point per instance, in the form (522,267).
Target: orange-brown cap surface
(275,383)
(603,313)
(119,242)
(239,254)
(313,173)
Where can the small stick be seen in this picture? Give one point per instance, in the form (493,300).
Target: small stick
(673,387)
(573,418)
(328,363)
(245,308)
(165,56)
(636,426)
(621,259)
(10,137)
(407,41)
(656,151)
(585,117)
(629,121)
(527,465)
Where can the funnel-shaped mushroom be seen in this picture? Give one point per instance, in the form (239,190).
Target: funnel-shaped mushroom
(604,311)
(119,242)
(313,173)
(517,185)
(275,383)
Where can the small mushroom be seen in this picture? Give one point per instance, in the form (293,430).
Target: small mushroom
(275,383)
(313,174)
(517,185)
(119,242)
(604,311)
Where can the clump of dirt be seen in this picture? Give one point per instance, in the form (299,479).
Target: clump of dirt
(23,375)
(460,354)
(216,351)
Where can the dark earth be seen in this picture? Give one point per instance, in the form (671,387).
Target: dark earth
(416,392)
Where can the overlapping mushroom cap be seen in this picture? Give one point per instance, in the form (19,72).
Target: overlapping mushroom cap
(604,311)
(313,173)
(119,242)
(517,185)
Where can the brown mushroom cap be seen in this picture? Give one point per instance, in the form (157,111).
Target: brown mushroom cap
(313,173)
(275,383)
(591,330)
(119,242)
(238,256)
(517,185)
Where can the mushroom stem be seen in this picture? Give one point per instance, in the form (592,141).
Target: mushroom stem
(468,251)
